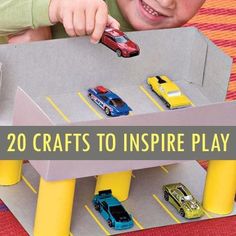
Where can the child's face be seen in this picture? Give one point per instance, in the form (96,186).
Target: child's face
(158,14)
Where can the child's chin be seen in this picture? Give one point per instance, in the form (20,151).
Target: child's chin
(146,26)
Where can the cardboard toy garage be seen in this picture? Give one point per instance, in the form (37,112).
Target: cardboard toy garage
(63,70)
(46,83)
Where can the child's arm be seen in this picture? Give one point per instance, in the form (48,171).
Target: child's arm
(79,17)
(17,16)
(30,35)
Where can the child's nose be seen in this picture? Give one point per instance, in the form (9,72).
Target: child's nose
(167,3)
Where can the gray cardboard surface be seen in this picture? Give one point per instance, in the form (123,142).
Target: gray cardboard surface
(6,112)
(27,112)
(57,67)
(65,66)
(0,76)
(216,77)
(196,63)
(218,114)
(63,169)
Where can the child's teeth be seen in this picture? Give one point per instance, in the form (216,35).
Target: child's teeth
(149,9)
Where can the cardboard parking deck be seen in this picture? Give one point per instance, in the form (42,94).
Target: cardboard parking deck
(59,69)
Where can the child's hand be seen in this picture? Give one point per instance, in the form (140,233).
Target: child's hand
(82,17)
(30,35)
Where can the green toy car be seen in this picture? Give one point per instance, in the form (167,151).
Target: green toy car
(182,199)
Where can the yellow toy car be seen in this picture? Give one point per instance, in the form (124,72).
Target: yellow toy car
(169,92)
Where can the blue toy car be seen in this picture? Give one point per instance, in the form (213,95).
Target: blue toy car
(112,210)
(111,103)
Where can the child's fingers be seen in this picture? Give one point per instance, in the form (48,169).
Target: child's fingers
(100,25)
(68,23)
(79,22)
(112,22)
(90,20)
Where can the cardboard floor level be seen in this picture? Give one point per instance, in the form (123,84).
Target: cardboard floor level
(59,69)
(130,94)
(144,207)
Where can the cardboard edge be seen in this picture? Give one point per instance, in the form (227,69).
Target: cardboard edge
(177,117)
(47,170)
(0,75)
(0,79)
(198,55)
(221,93)
(42,167)
(181,117)
(27,111)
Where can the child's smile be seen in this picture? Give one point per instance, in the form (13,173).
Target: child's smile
(158,14)
(150,13)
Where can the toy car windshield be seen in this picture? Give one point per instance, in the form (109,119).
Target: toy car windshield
(121,39)
(174,93)
(188,198)
(119,213)
(117,102)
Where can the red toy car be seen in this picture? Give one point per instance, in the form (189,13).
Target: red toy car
(120,43)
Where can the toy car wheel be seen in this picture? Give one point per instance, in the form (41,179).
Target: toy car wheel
(97,207)
(166,196)
(118,52)
(182,213)
(109,222)
(107,111)
(89,95)
(168,105)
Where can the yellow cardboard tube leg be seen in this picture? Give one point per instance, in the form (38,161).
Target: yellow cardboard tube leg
(118,182)
(54,208)
(10,172)
(220,186)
